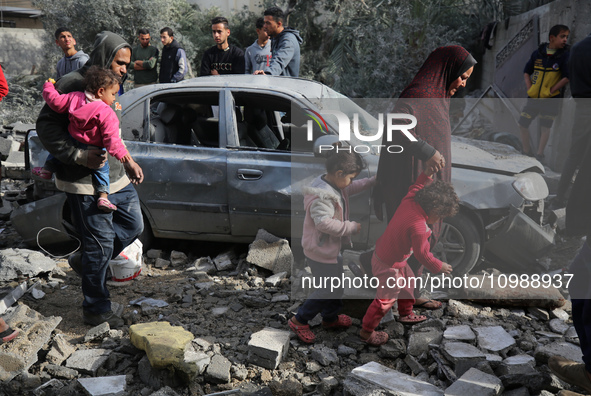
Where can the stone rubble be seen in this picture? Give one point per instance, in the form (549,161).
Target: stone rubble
(197,330)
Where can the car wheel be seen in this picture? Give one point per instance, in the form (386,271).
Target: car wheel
(459,244)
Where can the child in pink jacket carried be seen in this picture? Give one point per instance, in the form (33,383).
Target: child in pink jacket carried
(326,226)
(93,123)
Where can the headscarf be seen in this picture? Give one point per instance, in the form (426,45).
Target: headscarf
(427,98)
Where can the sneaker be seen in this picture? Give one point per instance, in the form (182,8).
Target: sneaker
(97,319)
(572,372)
(75,262)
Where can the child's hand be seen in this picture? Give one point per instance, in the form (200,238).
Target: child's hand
(51,80)
(446,268)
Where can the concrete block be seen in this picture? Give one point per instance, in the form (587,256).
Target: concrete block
(61,349)
(463,356)
(392,381)
(165,346)
(268,347)
(178,258)
(459,333)
(475,382)
(559,313)
(218,370)
(275,256)
(205,264)
(419,341)
(14,166)
(154,254)
(88,361)
(198,358)
(161,263)
(104,386)
(414,364)
(61,372)
(7,146)
(494,339)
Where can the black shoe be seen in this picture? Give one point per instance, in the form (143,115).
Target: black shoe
(355,269)
(97,319)
(75,262)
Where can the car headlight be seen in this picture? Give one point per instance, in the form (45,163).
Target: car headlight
(531,186)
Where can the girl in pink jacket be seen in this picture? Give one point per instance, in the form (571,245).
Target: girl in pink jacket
(93,123)
(326,225)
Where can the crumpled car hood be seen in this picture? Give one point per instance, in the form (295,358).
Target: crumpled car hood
(491,157)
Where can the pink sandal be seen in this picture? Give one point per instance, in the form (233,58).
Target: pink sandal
(343,322)
(8,335)
(42,173)
(105,205)
(303,332)
(412,319)
(376,338)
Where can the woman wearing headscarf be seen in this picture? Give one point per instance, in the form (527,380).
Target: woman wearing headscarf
(427,98)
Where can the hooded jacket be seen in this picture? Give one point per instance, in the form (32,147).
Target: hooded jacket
(285,54)
(173,64)
(52,127)
(326,223)
(546,70)
(68,64)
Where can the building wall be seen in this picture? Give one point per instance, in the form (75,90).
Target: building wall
(22,50)
(576,14)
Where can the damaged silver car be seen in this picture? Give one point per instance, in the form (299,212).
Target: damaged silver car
(222,159)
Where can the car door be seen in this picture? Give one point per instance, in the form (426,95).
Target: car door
(183,157)
(261,167)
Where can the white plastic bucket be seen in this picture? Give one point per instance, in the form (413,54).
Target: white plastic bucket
(128,265)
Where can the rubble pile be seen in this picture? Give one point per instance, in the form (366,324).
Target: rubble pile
(197,325)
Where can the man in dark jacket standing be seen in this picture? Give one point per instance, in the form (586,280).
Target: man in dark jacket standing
(580,72)
(285,46)
(103,235)
(578,221)
(222,58)
(173,64)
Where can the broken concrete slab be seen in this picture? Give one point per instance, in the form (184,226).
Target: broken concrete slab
(489,292)
(223,261)
(494,339)
(205,264)
(419,341)
(165,346)
(88,361)
(539,313)
(558,326)
(97,332)
(13,167)
(275,256)
(104,386)
(61,349)
(7,146)
(177,258)
(23,262)
(325,356)
(560,348)
(475,382)
(35,332)
(13,296)
(559,314)
(459,333)
(275,279)
(392,381)
(268,347)
(463,356)
(218,370)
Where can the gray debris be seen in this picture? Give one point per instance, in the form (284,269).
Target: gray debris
(23,262)
(104,386)
(88,361)
(463,356)
(494,339)
(475,382)
(61,349)
(459,333)
(418,342)
(218,370)
(97,332)
(268,347)
(325,356)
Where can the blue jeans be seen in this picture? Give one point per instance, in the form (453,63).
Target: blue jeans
(322,300)
(104,236)
(580,294)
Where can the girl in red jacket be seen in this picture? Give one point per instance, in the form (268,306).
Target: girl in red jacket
(407,234)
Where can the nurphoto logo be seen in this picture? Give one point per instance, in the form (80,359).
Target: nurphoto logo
(394,122)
